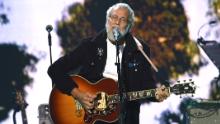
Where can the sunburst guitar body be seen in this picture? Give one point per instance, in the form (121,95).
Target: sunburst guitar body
(64,109)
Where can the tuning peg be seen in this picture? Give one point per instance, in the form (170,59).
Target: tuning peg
(192,95)
(178,81)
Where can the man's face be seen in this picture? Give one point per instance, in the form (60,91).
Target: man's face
(118,18)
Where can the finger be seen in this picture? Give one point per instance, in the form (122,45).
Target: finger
(163,88)
(160,89)
(87,101)
(157,97)
(92,96)
(89,105)
(87,97)
(160,97)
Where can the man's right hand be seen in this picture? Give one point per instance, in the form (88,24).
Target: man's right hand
(85,98)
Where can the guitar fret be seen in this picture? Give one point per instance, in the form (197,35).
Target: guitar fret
(132,95)
(113,99)
(150,93)
(141,94)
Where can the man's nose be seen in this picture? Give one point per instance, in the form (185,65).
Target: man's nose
(117,21)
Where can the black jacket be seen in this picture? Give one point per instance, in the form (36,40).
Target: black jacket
(90,59)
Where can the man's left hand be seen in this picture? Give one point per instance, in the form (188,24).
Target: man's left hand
(162,93)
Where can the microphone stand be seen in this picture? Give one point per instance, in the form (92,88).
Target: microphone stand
(49,28)
(120,86)
(49,43)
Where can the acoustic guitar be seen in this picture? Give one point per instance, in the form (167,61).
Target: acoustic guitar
(64,109)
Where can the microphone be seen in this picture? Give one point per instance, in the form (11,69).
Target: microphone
(49,28)
(116,33)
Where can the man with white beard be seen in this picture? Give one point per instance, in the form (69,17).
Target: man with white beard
(96,57)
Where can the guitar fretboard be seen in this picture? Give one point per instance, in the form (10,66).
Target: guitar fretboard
(132,95)
(140,94)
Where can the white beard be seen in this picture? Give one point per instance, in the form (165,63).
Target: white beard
(111,36)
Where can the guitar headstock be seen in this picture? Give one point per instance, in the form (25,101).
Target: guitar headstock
(183,87)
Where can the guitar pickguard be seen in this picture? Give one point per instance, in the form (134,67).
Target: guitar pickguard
(79,108)
(102,106)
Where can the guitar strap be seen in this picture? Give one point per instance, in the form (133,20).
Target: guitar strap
(140,47)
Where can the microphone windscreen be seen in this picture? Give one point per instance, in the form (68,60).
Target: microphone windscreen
(49,28)
(116,33)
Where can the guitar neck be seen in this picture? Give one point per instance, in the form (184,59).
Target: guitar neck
(130,96)
(140,94)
